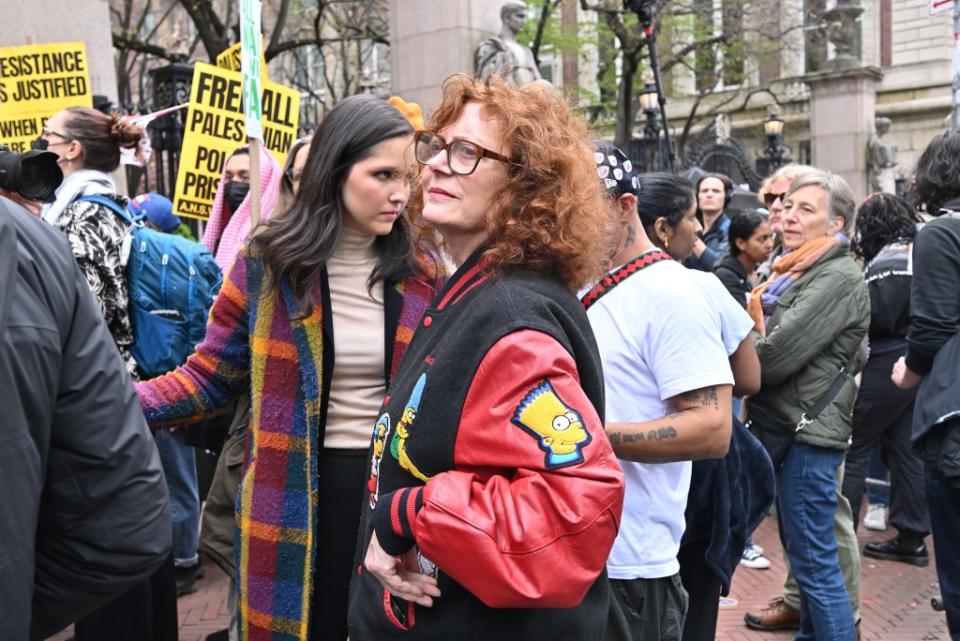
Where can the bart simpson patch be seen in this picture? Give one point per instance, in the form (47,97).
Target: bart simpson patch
(380,432)
(557,427)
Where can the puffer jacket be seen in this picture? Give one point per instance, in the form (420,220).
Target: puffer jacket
(819,323)
(84,511)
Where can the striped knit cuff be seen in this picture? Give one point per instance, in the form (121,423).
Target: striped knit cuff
(393,519)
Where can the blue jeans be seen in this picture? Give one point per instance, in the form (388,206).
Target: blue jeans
(806,504)
(944,501)
(180,468)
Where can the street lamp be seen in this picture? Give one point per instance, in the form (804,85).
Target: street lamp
(649,104)
(775,154)
(171,87)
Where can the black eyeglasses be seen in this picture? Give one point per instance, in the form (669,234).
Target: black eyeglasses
(769,198)
(462,156)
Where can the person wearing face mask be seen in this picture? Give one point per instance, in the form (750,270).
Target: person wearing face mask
(88,143)
(228,227)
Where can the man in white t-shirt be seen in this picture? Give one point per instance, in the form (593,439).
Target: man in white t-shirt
(668,385)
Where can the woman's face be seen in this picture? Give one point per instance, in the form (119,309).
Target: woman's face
(237,168)
(58,142)
(457,205)
(681,239)
(378,187)
(760,244)
(806,218)
(296,169)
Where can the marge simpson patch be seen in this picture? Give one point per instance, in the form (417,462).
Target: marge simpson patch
(557,427)
(380,433)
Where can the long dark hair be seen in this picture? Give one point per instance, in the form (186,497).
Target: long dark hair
(663,195)
(296,244)
(742,226)
(882,219)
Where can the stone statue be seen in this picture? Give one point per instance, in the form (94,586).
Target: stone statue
(502,54)
(881,160)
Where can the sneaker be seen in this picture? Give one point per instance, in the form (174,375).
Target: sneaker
(754,559)
(876,518)
(896,549)
(778,615)
(187,578)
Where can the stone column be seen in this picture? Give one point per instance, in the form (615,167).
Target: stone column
(431,39)
(842,111)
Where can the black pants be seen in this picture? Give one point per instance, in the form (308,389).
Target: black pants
(341,479)
(703,590)
(146,612)
(647,609)
(884,414)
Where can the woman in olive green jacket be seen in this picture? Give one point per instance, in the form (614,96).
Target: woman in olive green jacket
(811,316)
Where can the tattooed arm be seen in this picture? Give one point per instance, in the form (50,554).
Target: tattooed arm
(699,429)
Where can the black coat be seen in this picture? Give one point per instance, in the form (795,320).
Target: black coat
(734,277)
(84,512)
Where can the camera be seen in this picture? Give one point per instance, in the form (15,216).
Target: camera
(34,175)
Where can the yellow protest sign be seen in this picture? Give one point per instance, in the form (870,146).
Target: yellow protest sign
(230,59)
(215,129)
(37,81)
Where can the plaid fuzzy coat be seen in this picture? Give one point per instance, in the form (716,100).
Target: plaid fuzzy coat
(252,340)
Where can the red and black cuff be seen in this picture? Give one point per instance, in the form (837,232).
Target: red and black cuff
(393,519)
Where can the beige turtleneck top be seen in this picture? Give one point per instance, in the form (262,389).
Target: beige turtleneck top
(357,388)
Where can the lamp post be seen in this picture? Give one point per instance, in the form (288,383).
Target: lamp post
(775,154)
(645,151)
(171,87)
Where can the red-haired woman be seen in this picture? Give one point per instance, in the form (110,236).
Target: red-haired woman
(494,496)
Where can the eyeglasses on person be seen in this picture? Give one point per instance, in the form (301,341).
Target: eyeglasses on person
(462,156)
(769,198)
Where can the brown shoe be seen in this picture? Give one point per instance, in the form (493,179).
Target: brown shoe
(778,615)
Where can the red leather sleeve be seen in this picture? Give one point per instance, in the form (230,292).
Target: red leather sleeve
(521,523)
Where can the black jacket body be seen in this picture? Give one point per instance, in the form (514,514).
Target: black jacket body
(84,511)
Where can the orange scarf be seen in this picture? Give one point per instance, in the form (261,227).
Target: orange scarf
(793,264)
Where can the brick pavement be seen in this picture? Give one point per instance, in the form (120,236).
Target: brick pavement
(895,599)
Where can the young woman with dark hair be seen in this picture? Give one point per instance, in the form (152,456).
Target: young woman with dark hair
(312,322)
(885,228)
(751,242)
(668,211)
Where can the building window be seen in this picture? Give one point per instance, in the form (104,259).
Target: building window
(722,65)
(814,39)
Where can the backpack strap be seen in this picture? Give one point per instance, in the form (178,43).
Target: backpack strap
(112,205)
(611,280)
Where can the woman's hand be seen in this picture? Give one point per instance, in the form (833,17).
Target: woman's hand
(400,575)
(903,377)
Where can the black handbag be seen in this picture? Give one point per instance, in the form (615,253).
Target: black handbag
(776,430)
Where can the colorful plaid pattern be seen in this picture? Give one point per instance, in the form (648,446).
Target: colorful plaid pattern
(283,361)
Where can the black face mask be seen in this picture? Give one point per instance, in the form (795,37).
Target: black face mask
(234,193)
(39,144)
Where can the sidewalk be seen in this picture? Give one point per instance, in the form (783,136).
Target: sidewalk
(895,598)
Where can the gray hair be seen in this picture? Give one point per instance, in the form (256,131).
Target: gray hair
(840,199)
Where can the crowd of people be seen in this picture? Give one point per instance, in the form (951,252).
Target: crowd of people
(475,376)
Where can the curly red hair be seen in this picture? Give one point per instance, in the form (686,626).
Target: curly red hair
(551,215)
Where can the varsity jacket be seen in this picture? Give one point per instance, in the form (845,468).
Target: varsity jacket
(490,457)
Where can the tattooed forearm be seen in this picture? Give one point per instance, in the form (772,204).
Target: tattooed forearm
(706,396)
(659,434)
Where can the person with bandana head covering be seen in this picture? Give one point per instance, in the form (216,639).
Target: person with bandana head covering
(228,228)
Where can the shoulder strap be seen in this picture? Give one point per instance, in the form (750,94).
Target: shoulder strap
(831,392)
(611,280)
(110,204)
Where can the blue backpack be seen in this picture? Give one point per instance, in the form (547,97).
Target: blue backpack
(171,284)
